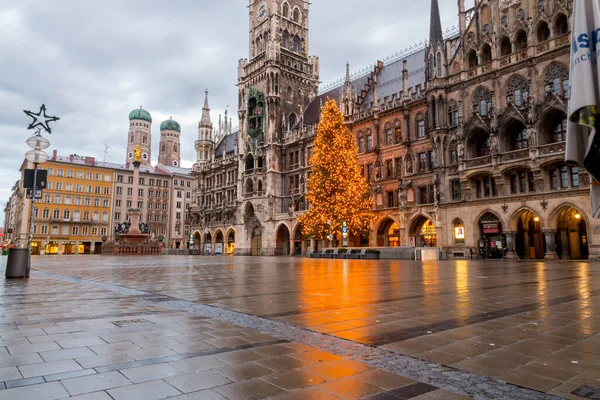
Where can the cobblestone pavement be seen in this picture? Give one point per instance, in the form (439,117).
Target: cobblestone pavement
(299,328)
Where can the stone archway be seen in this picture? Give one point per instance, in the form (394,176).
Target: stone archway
(529,238)
(571,235)
(423,231)
(300,241)
(256,241)
(219,242)
(493,242)
(282,241)
(197,240)
(388,233)
(230,242)
(208,248)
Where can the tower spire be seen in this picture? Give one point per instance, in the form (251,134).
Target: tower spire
(205,121)
(435,26)
(347,72)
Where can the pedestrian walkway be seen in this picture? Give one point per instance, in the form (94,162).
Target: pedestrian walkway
(62,339)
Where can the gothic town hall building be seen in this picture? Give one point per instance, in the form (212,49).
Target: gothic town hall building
(462,141)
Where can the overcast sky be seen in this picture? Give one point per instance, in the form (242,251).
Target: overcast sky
(92,62)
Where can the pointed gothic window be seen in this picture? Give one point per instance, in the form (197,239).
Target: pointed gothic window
(296,15)
(292,121)
(145,140)
(286,10)
(163,148)
(296,44)
(439,65)
(285,38)
(175,148)
(431,68)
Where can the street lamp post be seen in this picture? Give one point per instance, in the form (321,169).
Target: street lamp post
(37,155)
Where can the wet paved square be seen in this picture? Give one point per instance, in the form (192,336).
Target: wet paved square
(532,324)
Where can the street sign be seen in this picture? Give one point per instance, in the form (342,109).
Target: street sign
(344,229)
(41,178)
(29,194)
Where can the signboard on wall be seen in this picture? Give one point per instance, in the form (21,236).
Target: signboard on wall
(412,241)
(219,248)
(208,248)
(491,227)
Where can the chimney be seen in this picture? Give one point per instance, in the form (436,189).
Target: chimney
(54,154)
(71,157)
(90,160)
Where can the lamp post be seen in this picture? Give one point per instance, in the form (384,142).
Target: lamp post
(37,155)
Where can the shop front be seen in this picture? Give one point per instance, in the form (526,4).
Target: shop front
(51,248)
(68,247)
(492,243)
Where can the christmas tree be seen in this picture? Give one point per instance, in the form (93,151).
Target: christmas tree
(336,191)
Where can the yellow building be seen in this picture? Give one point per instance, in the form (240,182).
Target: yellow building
(75,211)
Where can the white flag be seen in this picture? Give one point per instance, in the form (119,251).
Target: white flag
(583,148)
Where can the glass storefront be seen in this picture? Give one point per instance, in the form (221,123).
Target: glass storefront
(428,234)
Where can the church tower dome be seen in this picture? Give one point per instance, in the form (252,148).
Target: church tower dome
(140,128)
(169,148)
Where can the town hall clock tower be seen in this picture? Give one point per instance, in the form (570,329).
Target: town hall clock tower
(275,85)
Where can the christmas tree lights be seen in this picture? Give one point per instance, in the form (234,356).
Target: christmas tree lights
(336,191)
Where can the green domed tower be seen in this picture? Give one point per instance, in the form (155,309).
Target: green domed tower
(169,148)
(140,133)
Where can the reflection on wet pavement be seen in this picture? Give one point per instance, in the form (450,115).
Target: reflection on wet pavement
(530,323)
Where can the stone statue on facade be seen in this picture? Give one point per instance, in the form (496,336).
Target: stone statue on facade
(460,150)
(494,144)
(137,153)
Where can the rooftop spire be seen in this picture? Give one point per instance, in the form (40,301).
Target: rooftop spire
(205,121)
(435,26)
(347,72)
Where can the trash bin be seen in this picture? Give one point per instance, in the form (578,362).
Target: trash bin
(16,264)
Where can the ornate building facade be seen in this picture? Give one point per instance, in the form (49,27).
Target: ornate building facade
(473,122)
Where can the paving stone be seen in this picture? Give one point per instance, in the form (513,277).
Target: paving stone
(20,359)
(152,352)
(33,348)
(197,364)
(92,396)
(207,394)
(144,391)
(56,355)
(291,380)
(348,388)
(95,383)
(150,372)
(197,381)
(89,341)
(44,391)
(53,367)
(243,371)
(24,382)
(9,374)
(252,389)
(383,379)
(107,359)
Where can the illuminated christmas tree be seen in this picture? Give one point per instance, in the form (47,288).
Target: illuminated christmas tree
(337,191)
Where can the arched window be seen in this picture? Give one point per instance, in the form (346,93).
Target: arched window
(389,134)
(409,164)
(452,114)
(361,144)
(175,148)
(420,126)
(560,131)
(483,146)
(285,39)
(521,141)
(95,216)
(163,147)
(145,140)
(486,54)
(297,46)
(249,163)
(77,215)
(104,216)
(452,154)
(541,5)
(56,214)
(459,231)
(36,212)
(521,40)
(521,14)
(86,215)
(472,58)
(504,21)
(397,131)
(46,213)
(66,214)
(296,15)
(290,94)
(557,80)
(439,64)
(482,102)
(517,91)
(431,68)
(543,32)
(300,98)
(562,25)
(131,139)
(286,10)
(505,46)
(249,187)
(292,121)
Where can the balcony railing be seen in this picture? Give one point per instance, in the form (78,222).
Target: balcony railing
(552,148)
(479,161)
(513,155)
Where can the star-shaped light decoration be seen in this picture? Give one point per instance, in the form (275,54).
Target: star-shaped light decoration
(40,119)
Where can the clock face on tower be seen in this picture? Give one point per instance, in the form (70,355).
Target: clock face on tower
(262,12)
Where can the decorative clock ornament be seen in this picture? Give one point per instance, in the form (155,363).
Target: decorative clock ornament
(262,12)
